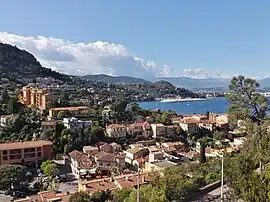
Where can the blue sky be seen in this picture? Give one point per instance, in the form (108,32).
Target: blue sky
(229,36)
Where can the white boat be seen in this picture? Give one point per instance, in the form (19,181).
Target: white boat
(266,94)
(184,99)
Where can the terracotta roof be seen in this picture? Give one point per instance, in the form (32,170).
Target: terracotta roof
(130,180)
(207,121)
(190,120)
(46,196)
(75,154)
(69,108)
(24,145)
(112,126)
(100,185)
(102,156)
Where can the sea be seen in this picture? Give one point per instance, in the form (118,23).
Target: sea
(216,105)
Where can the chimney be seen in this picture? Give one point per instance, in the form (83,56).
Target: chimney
(126,177)
(143,178)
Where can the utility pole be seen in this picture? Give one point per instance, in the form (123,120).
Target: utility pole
(138,186)
(222,176)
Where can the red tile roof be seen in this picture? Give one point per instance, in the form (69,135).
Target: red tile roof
(24,145)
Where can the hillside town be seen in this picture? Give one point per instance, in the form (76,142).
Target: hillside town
(66,150)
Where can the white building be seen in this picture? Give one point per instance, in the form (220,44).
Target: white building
(116,130)
(74,123)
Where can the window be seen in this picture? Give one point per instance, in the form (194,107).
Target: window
(15,156)
(29,150)
(15,151)
(5,152)
(5,158)
(39,149)
(39,154)
(30,155)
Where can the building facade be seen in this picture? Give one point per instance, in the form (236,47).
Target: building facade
(29,153)
(35,97)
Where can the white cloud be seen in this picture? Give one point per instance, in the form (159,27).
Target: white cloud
(202,74)
(85,58)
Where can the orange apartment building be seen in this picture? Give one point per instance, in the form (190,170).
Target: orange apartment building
(29,153)
(36,97)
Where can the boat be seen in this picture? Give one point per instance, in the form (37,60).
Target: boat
(184,99)
(266,94)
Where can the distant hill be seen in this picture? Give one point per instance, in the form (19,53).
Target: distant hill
(191,83)
(264,83)
(17,64)
(164,84)
(115,79)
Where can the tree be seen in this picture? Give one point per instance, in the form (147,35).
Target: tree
(50,168)
(204,137)
(121,195)
(245,102)
(80,197)
(11,174)
(243,176)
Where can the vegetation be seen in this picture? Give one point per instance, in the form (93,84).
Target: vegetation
(50,168)
(11,174)
(85,197)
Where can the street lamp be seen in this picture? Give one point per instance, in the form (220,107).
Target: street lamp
(222,174)
(138,185)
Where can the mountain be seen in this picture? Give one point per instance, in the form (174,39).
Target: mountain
(264,83)
(192,83)
(115,79)
(164,84)
(17,65)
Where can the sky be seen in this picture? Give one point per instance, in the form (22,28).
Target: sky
(143,38)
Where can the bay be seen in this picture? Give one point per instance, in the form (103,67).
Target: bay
(217,105)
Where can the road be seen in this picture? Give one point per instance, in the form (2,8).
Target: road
(4,198)
(213,196)
(70,187)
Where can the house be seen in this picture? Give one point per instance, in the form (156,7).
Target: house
(46,196)
(132,154)
(80,162)
(116,130)
(112,184)
(108,161)
(74,124)
(158,129)
(140,129)
(189,124)
(116,147)
(28,153)
(207,124)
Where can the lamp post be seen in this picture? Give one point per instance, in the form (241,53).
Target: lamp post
(222,174)
(138,186)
